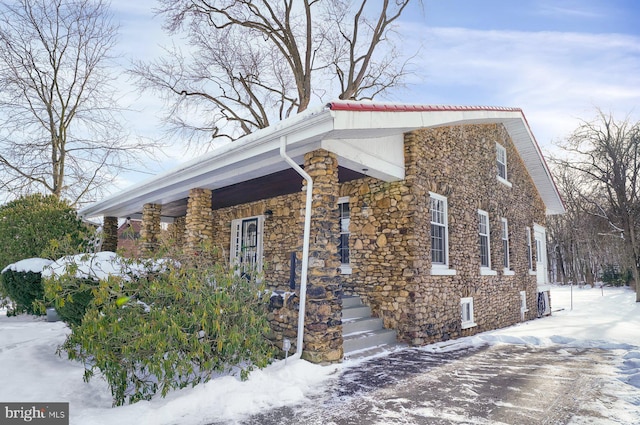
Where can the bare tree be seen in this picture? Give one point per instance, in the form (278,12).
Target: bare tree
(59,127)
(582,243)
(255,61)
(606,155)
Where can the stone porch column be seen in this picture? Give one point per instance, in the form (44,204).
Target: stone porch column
(150,228)
(110,234)
(323,322)
(177,231)
(199,219)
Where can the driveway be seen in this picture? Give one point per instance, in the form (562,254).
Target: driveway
(496,384)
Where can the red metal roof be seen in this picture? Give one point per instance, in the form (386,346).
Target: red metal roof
(345,105)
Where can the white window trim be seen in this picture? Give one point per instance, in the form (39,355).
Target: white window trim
(442,269)
(523,302)
(466,324)
(345,268)
(484,270)
(506,271)
(234,250)
(530,248)
(503,180)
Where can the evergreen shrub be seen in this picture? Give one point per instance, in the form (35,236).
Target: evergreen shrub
(171,328)
(30,223)
(24,289)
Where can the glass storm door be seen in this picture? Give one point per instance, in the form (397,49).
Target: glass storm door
(246,245)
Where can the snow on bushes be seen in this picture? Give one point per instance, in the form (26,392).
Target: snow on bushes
(22,283)
(71,281)
(156,326)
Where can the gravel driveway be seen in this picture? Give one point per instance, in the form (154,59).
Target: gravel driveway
(496,384)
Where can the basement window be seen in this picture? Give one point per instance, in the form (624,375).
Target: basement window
(466,306)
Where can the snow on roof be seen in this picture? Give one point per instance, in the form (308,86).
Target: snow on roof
(347,128)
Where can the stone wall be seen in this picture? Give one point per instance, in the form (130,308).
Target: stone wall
(383,247)
(390,241)
(283,232)
(459,162)
(283,318)
(282,229)
(176,231)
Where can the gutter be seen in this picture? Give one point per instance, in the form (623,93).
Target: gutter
(305,242)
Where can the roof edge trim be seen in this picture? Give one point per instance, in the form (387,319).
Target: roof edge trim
(347,105)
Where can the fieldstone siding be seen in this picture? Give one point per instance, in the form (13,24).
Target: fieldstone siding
(283,318)
(110,234)
(199,219)
(383,247)
(390,240)
(150,229)
(323,324)
(177,230)
(281,232)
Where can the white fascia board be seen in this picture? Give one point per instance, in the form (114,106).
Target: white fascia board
(382,157)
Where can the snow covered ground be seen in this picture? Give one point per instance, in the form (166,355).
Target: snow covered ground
(30,371)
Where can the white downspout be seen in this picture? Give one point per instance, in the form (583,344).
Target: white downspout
(305,242)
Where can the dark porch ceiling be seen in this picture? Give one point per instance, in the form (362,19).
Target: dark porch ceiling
(281,183)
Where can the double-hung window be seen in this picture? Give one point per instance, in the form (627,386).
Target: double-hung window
(484,243)
(505,247)
(343,247)
(439,235)
(483,231)
(501,161)
(529,249)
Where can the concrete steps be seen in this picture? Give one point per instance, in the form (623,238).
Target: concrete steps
(362,333)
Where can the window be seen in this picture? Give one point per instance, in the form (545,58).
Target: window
(529,248)
(343,247)
(246,245)
(523,302)
(438,229)
(483,231)
(505,247)
(466,306)
(439,235)
(501,157)
(501,160)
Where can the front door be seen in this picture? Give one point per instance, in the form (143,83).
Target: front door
(246,245)
(541,255)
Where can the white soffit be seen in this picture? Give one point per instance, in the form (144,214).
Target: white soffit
(381,157)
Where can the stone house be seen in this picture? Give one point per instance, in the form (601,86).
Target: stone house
(431,219)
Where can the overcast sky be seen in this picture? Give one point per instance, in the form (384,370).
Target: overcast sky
(556,59)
